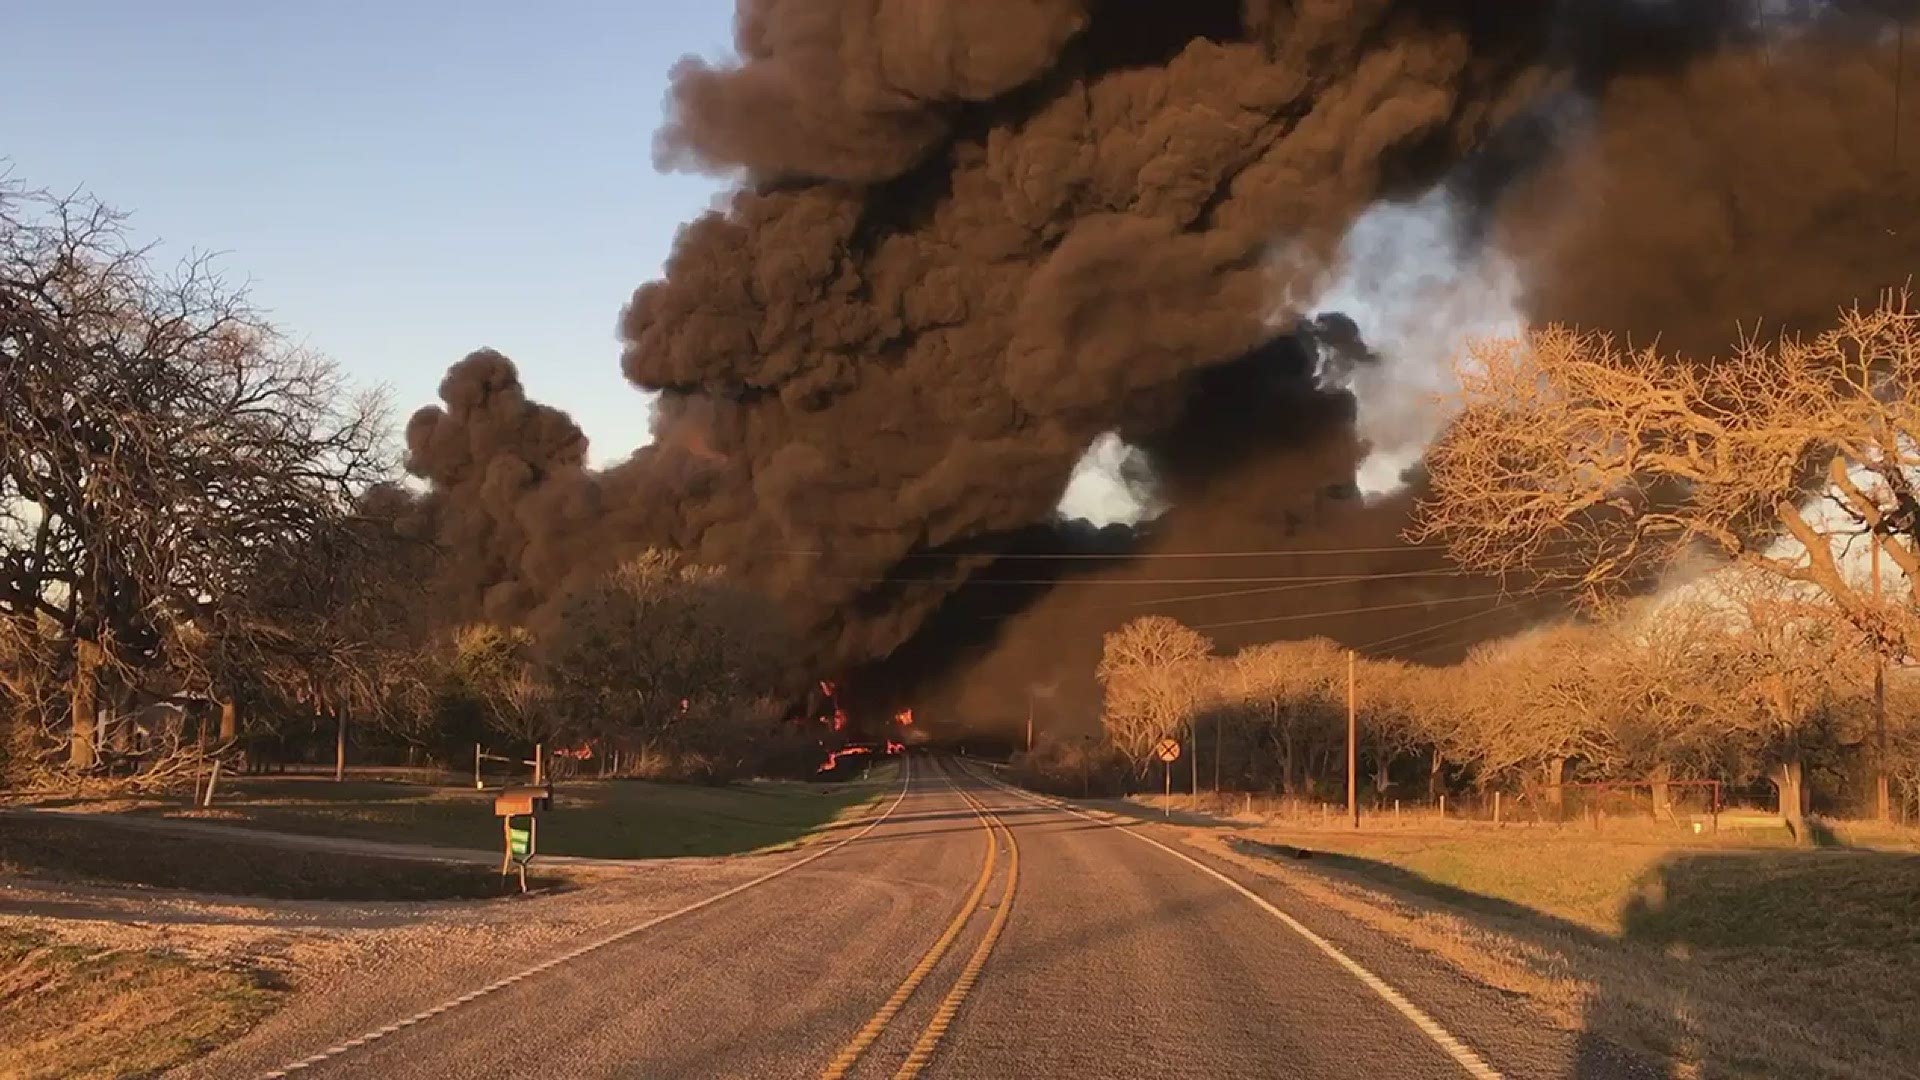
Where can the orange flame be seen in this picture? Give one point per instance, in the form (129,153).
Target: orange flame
(904,718)
(895,748)
(833,757)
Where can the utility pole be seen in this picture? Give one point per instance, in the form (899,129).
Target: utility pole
(1882,789)
(1353,749)
(1218,725)
(1193,767)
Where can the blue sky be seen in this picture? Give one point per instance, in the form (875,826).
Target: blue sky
(400,182)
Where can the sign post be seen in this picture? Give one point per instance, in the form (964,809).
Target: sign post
(1168,751)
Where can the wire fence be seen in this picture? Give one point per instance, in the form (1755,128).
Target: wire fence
(1695,806)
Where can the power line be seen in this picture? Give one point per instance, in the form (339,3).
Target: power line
(1301,583)
(1148,555)
(1348,611)
(1448,641)
(1293,578)
(1308,584)
(1406,636)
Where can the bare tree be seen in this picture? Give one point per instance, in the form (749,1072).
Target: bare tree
(1575,461)
(496,665)
(1782,676)
(1904,744)
(1661,663)
(157,442)
(333,620)
(1294,689)
(1543,703)
(1393,719)
(1150,671)
(669,658)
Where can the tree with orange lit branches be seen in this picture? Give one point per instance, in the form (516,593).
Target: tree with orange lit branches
(1152,673)
(1575,461)
(1295,692)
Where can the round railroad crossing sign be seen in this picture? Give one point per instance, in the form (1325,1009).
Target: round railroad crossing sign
(1167,750)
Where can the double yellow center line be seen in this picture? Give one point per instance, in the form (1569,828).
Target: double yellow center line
(949,1007)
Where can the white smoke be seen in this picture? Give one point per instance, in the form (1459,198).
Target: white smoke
(1419,288)
(1112,483)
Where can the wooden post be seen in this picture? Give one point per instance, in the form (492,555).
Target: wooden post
(1496,808)
(539,764)
(1166,800)
(1882,787)
(1353,748)
(212,779)
(1396,811)
(477,785)
(339,743)
(1443,806)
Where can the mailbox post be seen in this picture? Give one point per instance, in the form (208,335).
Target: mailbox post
(521,840)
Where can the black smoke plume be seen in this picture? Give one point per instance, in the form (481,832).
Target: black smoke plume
(969,238)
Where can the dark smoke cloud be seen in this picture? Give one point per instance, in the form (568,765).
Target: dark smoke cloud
(856,91)
(970,238)
(1755,188)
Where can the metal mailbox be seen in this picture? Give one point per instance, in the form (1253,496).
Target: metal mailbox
(522,800)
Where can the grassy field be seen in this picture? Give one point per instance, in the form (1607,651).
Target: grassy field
(619,819)
(83,1013)
(1595,881)
(99,852)
(1719,955)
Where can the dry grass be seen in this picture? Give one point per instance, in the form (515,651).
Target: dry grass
(1718,956)
(617,819)
(82,1013)
(98,851)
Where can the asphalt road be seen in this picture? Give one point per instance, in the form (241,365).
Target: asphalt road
(1115,958)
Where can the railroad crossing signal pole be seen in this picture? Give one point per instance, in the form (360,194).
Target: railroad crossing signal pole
(1168,751)
(1353,749)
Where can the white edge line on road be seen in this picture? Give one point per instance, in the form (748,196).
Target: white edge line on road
(500,984)
(1460,1052)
